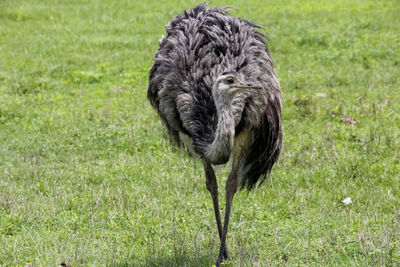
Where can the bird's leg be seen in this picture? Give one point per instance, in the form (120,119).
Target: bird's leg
(212,186)
(231,188)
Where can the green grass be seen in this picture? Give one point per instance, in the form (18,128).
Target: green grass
(86,175)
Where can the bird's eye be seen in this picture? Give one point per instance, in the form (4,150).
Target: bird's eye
(230,81)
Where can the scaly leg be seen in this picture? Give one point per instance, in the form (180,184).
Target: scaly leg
(212,186)
(231,188)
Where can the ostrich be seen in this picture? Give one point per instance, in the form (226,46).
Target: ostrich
(214,86)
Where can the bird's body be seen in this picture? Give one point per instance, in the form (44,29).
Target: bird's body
(214,86)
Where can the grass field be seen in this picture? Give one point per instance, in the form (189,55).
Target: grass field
(87,177)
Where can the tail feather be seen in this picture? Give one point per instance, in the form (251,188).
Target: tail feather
(265,150)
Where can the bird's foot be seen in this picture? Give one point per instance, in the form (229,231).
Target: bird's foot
(222,256)
(218,263)
(222,262)
(226,254)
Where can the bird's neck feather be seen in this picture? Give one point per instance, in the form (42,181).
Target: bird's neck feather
(220,149)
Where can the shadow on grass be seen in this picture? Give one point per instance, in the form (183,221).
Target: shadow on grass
(173,260)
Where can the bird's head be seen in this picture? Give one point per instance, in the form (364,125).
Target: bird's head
(229,84)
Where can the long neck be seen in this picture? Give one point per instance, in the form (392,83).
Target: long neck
(219,150)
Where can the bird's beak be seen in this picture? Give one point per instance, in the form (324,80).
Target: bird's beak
(243,85)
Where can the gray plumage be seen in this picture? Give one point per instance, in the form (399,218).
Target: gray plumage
(214,86)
